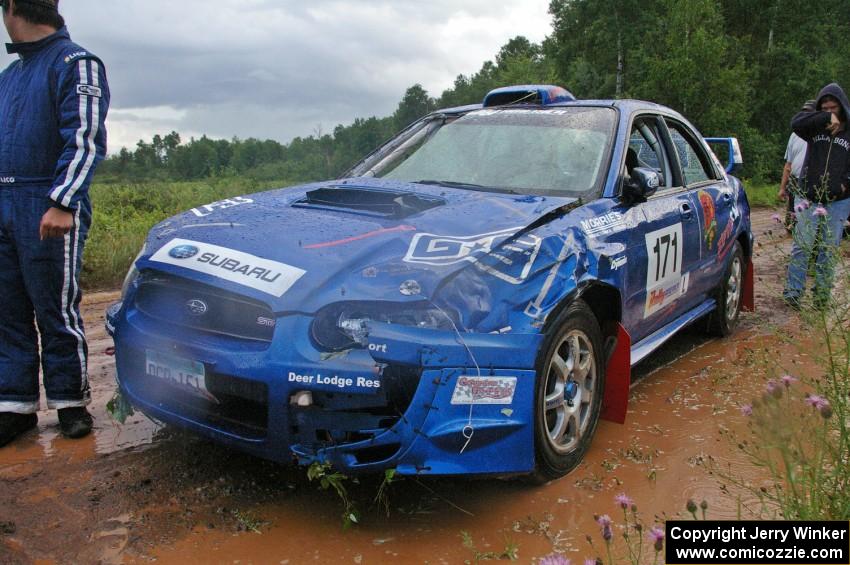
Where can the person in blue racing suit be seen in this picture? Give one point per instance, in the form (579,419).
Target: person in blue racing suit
(53,103)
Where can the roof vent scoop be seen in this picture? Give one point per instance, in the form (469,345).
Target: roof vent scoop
(539,94)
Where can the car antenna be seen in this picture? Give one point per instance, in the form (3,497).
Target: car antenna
(468,430)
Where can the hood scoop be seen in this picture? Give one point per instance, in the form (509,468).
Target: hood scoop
(389,204)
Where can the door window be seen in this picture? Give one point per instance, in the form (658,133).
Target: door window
(694,162)
(647,150)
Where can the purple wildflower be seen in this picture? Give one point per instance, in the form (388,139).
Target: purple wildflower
(656,534)
(605,522)
(589,561)
(776,218)
(773,388)
(788,380)
(623,500)
(820,404)
(816,401)
(820,211)
(747,409)
(554,559)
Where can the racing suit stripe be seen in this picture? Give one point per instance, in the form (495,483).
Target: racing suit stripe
(73,326)
(75,280)
(90,148)
(78,155)
(19,407)
(85,136)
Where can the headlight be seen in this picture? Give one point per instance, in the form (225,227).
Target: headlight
(133,273)
(345,325)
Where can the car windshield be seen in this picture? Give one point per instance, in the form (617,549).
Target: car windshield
(556,151)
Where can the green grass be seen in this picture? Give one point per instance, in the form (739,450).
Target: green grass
(762,195)
(124,213)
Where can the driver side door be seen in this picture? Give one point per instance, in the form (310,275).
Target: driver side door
(659,285)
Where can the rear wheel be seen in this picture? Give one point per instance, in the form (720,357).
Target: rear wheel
(568,394)
(729,295)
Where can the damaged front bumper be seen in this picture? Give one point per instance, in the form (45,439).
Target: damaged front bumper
(418,400)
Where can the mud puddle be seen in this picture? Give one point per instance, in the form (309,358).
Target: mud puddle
(135,493)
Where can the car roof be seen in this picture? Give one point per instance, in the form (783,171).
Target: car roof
(627,105)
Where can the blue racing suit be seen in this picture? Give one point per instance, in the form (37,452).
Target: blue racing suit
(53,103)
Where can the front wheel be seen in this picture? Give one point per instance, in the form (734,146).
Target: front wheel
(729,295)
(568,394)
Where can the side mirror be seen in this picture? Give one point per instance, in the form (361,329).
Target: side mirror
(729,153)
(642,184)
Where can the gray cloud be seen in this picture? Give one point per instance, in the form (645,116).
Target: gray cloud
(281,68)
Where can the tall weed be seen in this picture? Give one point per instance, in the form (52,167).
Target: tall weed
(798,427)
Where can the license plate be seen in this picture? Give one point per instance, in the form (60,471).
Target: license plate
(185,374)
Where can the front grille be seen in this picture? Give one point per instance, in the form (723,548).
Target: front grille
(241,407)
(184,303)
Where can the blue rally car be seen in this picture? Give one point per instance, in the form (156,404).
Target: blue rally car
(469,299)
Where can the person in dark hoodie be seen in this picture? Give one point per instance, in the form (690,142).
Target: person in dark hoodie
(826,184)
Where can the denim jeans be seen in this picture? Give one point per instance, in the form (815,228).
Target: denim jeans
(806,238)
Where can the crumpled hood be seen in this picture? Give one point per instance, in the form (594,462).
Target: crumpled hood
(300,248)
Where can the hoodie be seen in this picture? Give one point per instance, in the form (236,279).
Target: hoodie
(827,168)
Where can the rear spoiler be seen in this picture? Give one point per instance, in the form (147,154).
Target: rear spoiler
(733,158)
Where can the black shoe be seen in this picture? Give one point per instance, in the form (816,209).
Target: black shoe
(75,422)
(821,302)
(13,424)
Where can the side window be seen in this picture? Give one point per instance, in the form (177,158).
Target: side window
(646,150)
(694,161)
(645,154)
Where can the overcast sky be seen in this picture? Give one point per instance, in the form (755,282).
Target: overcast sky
(283,68)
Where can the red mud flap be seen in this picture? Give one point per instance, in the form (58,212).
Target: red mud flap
(618,376)
(748,301)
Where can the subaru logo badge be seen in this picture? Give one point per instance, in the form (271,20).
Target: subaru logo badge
(196,307)
(183,251)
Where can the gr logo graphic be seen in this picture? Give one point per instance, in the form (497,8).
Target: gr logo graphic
(231,265)
(183,251)
(196,307)
(511,262)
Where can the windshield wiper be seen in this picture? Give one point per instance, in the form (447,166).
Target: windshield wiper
(468,185)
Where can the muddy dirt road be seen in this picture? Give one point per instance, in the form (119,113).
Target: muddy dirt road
(138,493)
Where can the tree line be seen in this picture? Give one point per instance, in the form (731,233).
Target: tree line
(733,67)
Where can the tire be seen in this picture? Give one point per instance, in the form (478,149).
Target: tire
(730,293)
(563,429)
